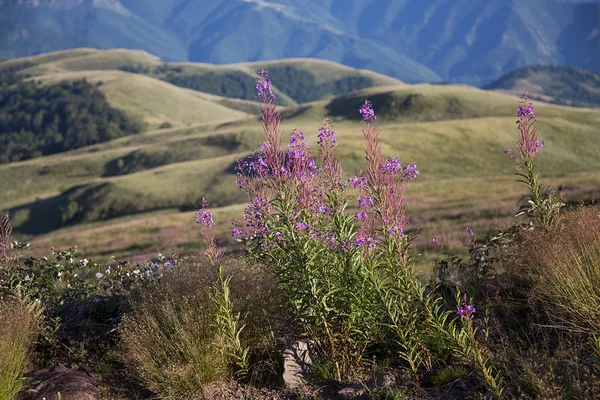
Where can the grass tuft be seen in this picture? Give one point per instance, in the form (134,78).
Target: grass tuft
(20,324)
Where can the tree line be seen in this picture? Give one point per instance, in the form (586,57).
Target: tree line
(38,119)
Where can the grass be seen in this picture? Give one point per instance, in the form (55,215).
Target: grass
(456,134)
(19,327)
(170,337)
(149,99)
(565,266)
(135,196)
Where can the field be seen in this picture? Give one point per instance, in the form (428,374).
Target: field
(397,284)
(137,194)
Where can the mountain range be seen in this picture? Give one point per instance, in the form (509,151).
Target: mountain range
(467,41)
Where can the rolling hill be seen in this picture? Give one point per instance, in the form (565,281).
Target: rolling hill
(152,93)
(468,41)
(557,84)
(137,193)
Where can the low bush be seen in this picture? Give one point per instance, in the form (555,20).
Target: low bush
(172,337)
(347,278)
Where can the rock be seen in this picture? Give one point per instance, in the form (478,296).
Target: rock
(381,380)
(72,384)
(352,392)
(296,364)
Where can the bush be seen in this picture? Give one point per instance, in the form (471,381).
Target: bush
(171,337)
(20,324)
(564,264)
(347,277)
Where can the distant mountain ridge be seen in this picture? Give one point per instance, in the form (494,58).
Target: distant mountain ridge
(469,41)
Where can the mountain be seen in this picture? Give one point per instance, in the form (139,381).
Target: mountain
(554,84)
(469,41)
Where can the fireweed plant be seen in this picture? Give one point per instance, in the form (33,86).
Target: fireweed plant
(228,323)
(540,205)
(347,276)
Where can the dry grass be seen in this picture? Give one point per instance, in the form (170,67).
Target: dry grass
(20,324)
(565,267)
(170,336)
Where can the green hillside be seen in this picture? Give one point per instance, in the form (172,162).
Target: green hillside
(105,193)
(557,84)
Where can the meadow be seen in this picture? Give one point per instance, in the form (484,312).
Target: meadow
(407,278)
(115,183)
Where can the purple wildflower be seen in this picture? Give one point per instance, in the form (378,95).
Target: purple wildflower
(365,203)
(367,113)
(361,215)
(391,166)
(395,230)
(466,311)
(204,217)
(326,136)
(528,143)
(263,86)
(302,225)
(358,182)
(469,231)
(236,232)
(410,171)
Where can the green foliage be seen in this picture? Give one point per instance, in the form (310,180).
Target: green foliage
(540,205)
(470,273)
(229,326)
(65,276)
(447,375)
(303,87)
(328,291)
(37,119)
(233,83)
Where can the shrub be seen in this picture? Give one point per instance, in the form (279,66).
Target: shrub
(172,338)
(347,277)
(20,324)
(564,264)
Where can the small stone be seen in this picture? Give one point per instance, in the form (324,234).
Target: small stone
(296,364)
(382,380)
(352,392)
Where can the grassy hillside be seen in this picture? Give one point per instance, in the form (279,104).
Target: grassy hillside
(298,80)
(456,134)
(557,84)
(149,99)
